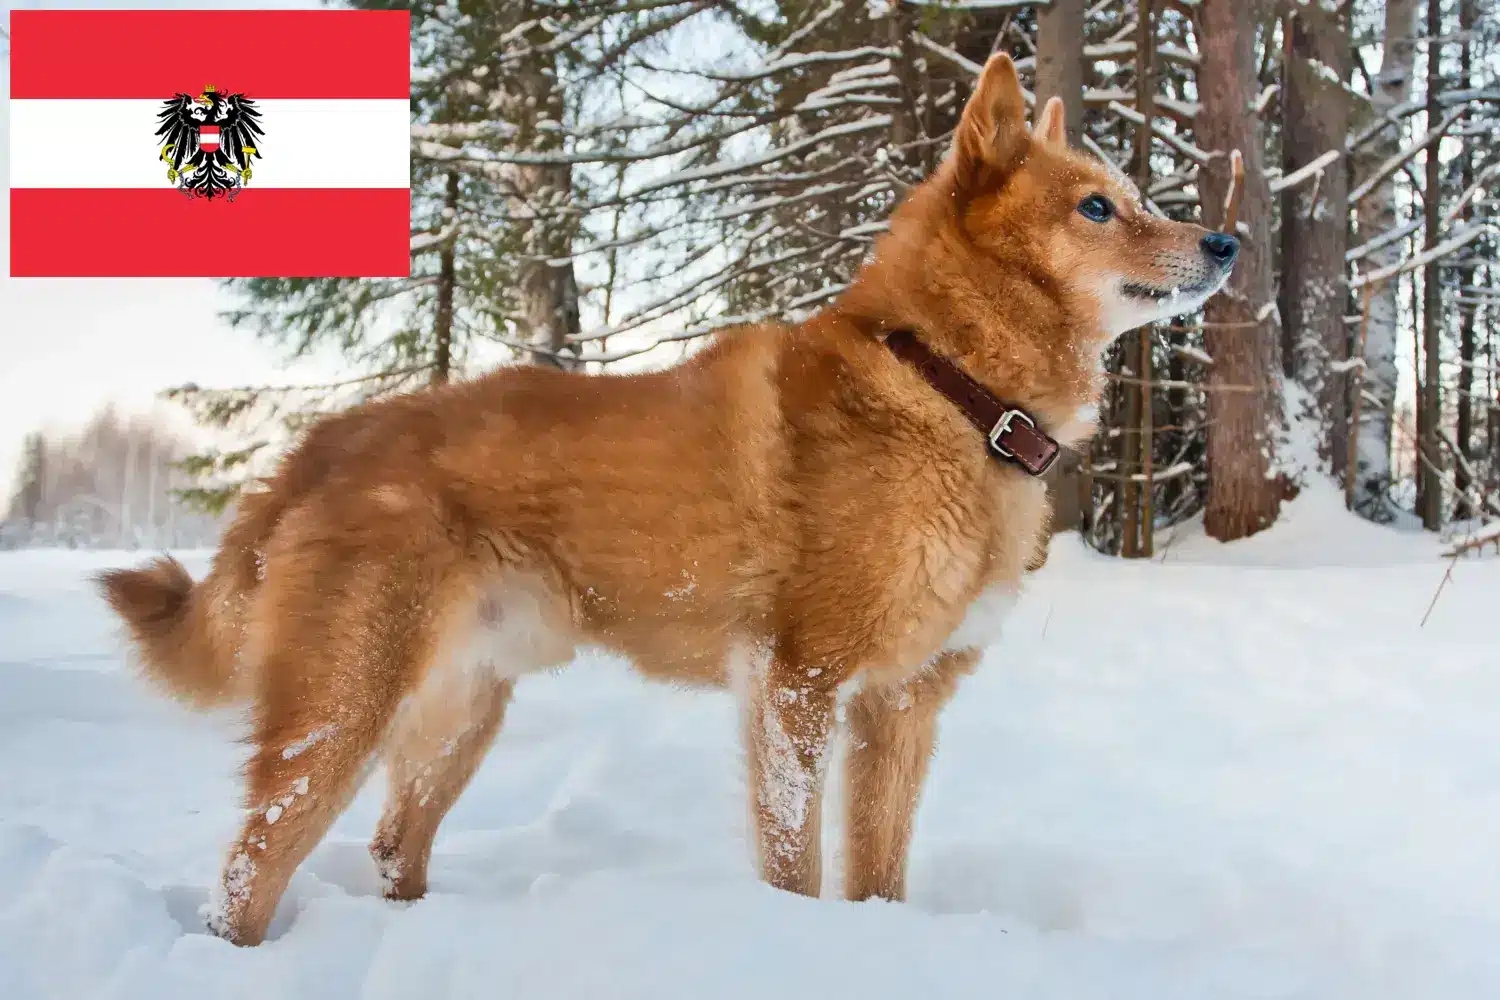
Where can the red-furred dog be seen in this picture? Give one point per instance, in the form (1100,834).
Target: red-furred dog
(806,510)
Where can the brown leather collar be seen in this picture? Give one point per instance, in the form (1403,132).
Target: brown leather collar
(1010,432)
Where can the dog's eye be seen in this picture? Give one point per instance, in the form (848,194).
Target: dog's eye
(1097,208)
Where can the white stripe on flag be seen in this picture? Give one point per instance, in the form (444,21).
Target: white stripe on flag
(307,144)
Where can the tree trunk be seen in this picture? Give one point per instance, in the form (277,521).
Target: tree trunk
(1059,73)
(1430,410)
(1492,379)
(442,323)
(1135,443)
(1059,60)
(897,36)
(1315,216)
(1467,16)
(33,478)
(1377,214)
(1491,436)
(1242,330)
(548,292)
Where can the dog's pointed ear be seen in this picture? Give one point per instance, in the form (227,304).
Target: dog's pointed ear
(1052,125)
(992,132)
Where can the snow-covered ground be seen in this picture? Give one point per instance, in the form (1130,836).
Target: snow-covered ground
(1294,793)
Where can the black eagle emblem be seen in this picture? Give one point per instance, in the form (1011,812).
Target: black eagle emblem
(208,141)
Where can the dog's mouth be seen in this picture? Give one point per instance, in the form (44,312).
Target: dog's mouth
(1166,293)
(1134,302)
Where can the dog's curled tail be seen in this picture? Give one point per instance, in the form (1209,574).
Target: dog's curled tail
(169,622)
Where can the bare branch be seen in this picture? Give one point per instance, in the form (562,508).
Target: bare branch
(1236,192)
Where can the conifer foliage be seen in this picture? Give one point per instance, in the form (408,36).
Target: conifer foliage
(602,183)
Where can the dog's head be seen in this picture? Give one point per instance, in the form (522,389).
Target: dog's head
(1023,197)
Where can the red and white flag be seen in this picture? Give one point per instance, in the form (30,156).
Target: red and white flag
(229,143)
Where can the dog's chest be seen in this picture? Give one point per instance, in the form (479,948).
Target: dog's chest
(1009,532)
(972,553)
(983,620)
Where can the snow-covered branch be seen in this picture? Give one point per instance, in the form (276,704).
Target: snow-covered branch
(1395,160)
(1182,146)
(1383,240)
(800,60)
(1457,241)
(1305,172)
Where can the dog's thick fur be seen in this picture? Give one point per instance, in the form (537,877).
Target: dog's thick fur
(792,508)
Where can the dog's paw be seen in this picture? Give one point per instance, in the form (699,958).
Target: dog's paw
(217,922)
(396,883)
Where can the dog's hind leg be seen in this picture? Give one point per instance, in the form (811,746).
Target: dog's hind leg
(344,641)
(892,731)
(514,620)
(432,753)
(306,766)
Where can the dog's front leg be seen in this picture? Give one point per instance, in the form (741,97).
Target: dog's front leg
(892,730)
(788,723)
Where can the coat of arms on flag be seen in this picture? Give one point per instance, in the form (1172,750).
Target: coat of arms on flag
(208,142)
(217,124)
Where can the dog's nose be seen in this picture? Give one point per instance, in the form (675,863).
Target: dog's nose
(1221,247)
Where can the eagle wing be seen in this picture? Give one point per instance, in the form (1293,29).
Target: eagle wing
(240,131)
(177,129)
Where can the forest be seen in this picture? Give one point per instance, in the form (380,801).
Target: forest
(601,185)
(119,482)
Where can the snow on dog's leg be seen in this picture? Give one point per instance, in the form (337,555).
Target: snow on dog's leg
(788,723)
(344,641)
(292,800)
(430,758)
(892,730)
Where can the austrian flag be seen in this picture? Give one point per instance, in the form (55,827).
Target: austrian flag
(225,143)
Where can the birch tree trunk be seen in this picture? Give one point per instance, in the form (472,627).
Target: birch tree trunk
(1377,214)
(1242,330)
(1315,216)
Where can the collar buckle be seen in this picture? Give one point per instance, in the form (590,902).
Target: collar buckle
(1003,427)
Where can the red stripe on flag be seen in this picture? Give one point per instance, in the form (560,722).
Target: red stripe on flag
(267,232)
(136,54)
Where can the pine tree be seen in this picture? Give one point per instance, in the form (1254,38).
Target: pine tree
(1242,329)
(27,504)
(1315,219)
(597,179)
(468,284)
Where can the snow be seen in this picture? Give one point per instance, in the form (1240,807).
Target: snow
(299,747)
(1293,793)
(1301,174)
(1458,239)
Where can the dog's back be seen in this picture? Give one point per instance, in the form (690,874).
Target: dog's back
(699,448)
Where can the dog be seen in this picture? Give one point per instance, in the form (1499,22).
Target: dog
(818,515)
